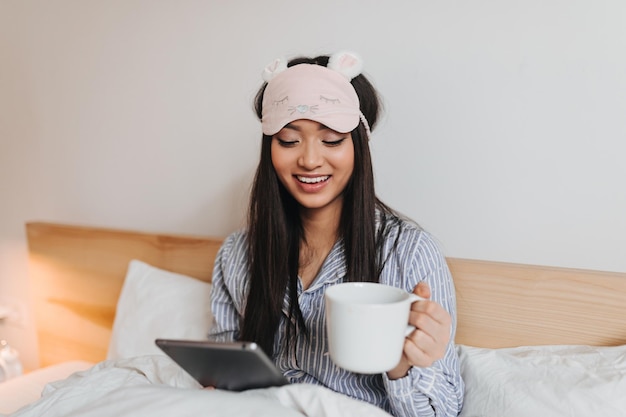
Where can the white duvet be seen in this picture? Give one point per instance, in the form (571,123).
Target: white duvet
(155,386)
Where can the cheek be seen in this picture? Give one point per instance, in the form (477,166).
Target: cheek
(275,155)
(280,162)
(348,157)
(345,160)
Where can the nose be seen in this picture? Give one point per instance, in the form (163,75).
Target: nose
(311,156)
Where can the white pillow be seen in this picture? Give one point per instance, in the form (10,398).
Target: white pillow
(158,304)
(544,381)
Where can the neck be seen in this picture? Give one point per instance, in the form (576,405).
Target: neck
(321,226)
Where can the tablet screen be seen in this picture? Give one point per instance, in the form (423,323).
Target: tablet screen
(234,366)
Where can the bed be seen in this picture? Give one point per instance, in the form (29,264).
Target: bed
(532,340)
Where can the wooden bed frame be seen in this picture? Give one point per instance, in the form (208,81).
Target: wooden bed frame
(77,275)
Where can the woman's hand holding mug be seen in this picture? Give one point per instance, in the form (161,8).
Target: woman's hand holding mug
(429,341)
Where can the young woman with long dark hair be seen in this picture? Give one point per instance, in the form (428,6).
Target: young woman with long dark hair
(314,221)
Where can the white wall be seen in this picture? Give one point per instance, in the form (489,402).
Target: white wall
(504,133)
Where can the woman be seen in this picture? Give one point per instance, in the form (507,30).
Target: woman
(314,221)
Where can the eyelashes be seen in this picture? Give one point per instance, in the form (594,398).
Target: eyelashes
(287,143)
(334,142)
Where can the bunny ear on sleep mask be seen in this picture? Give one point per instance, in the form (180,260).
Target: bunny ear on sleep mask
(345,63)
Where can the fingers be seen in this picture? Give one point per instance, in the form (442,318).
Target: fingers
(428,343)
(422,289)
(422,350)
(418,353)
(424,312)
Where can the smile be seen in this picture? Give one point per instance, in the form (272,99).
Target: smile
(312,180)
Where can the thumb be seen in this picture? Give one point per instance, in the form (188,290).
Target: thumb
(422,289)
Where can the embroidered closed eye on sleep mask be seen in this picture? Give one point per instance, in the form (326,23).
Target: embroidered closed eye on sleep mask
(313,92)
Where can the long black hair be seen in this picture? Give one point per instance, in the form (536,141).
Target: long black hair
(275,230)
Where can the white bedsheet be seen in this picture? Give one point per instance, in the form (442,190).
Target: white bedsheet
(25,389)
(155,386)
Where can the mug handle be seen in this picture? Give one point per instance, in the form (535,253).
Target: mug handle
(409,327)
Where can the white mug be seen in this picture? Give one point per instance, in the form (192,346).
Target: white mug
(366,324)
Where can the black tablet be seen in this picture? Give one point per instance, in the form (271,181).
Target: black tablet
(234,366)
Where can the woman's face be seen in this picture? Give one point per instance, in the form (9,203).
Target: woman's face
(314,163)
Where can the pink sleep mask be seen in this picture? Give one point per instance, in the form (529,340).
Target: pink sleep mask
(313,92)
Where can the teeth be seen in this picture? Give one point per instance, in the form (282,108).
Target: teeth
(315,180)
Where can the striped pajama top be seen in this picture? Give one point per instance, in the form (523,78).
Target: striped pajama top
(433,391)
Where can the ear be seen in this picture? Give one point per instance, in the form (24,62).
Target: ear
(348,64)
(275,67)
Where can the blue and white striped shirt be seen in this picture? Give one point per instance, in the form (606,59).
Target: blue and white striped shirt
(432,391)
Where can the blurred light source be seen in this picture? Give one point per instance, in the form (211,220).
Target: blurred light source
(10,364)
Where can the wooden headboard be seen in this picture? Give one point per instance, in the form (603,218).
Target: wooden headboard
(77,275)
